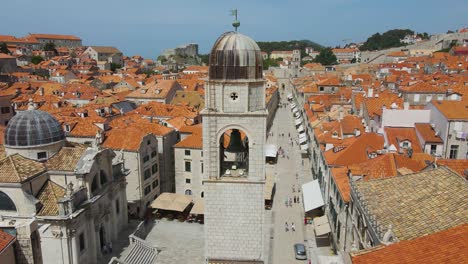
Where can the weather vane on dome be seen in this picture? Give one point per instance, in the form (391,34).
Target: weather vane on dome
(236,22)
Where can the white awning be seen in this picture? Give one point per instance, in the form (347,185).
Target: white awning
(172,201)
(198,207)
(295,110)
(304,146)
(293,105)
(298,121)
(300,129)
(311,195)
(321,225)
(290,96)
(271,150)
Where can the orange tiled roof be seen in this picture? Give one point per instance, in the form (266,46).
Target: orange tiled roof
(447,246)
(54,36)
(341,179)
(5,240)
(193,141)
(427,133)
(158,91)
(357,151)
(453,110)
(374,104)
(395,135)
(460,166)
(17,169)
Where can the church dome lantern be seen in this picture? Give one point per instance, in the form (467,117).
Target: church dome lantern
(235,56)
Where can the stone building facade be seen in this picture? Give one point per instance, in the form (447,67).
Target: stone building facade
(235,103)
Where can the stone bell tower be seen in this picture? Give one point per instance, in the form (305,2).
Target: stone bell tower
(234,131)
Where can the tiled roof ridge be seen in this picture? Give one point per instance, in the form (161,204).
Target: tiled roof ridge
(13,163)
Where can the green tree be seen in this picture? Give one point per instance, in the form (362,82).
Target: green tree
(115,66)
(36,59)
(4,48)
(326,57)
(386,40)
(49,46)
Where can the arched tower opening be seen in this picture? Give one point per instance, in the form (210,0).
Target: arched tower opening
(234,153)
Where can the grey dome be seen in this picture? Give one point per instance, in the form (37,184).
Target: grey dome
(235,56)
(32,128)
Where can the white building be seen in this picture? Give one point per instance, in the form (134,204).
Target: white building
(64,201)
(234,177)
(102,53)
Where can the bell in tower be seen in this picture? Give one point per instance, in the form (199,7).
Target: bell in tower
(235,143)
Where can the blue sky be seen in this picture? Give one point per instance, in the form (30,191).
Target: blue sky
(146,27)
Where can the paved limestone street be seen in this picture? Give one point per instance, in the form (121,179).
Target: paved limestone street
(285,172)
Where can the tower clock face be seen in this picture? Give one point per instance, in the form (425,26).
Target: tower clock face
(234,96)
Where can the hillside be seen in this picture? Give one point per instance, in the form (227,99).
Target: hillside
(389,39)
(269,46)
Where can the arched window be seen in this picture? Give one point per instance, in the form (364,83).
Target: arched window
(6,204)
(202,194)
(188,192)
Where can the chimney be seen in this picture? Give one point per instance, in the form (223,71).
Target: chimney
(370,93)
(41,91)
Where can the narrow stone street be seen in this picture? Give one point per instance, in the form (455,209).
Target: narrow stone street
(290,173)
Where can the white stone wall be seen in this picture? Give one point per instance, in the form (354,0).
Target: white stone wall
(393,117)
(195,176)
(234,220)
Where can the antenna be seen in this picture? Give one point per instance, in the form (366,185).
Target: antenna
(235,23)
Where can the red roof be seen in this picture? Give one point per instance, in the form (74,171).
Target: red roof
(5,240)
(448,246)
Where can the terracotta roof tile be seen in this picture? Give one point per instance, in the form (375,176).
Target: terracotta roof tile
(66,159)
(49,195)
(460,166)
(5,240)
(447,246)
(416,204)
(341,179)
(357,151)
(395,135)
(193,141)
(427,133)
(453,110)
(17,169)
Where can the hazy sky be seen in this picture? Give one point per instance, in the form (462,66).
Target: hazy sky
(146,27)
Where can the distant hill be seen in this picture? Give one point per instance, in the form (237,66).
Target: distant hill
(269,46)
(389,39)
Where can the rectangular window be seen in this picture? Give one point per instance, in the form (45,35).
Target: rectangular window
(453,151)
(201,153)
(321,88)
(146,158)
(147,189)
(117,206)
(416,97)
(428,98)
(82,242)
(188,166)
(187,152)
(154,153)
(5,110)
(188,180)
(201,166)
(41,155)
(154,168)
(147,174)
(433,149)
(440,97)
(148,142)
(155,183)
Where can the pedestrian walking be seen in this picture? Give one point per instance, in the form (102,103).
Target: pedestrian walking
(290,202)
(293,228)
(286,227)
(286,202)
(294,189)
(104,249)
(298,197)
(289,134)
(109,247)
